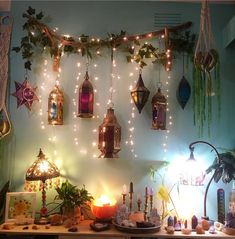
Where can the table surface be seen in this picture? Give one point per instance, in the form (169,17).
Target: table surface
(84,230)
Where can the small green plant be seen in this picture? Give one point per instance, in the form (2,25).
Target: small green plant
(72,196)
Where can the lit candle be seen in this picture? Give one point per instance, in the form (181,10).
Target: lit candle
(124,189)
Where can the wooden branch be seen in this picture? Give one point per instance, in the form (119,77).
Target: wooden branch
(55,37)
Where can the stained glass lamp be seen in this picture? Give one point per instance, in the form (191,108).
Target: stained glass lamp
(41,170)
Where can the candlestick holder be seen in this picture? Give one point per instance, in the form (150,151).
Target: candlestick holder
(139,204)
(146,207)
(151,202)
(131,201)
(123,198)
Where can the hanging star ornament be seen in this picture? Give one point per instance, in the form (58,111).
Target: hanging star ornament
(25,94)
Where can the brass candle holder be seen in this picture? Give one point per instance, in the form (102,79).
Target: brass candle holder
(131,196)
(146,204)
(123,198)
(139,204)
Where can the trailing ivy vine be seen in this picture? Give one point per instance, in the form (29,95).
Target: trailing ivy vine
(41,37)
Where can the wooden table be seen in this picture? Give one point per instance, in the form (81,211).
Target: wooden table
(86,233)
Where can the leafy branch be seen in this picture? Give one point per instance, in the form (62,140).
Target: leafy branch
(42,37)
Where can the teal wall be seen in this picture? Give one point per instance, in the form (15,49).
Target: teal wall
(76,161)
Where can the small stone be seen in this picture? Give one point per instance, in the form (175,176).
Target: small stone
(170,221)
(205,224)
(170,230)
(199,230)
(186,231)
(218,226)
(73,229)
(194,222)
(8,226)
(35,227)
(25,228)
(212,230)
(48,226)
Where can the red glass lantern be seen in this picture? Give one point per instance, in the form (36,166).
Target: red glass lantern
(55,106)
(140,94)
(109,136)
(86,98)
(159,111)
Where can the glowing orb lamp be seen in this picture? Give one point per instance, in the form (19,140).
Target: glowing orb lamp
(104,208)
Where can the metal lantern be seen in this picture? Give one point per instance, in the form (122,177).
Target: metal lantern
(183,92)
(109,136)
(86,98)
(140,94)
(55,106)
(159,111)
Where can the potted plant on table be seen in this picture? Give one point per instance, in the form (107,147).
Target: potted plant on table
(74,202)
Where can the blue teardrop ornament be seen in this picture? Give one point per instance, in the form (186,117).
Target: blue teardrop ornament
(183,92)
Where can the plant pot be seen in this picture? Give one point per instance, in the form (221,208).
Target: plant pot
(71,216)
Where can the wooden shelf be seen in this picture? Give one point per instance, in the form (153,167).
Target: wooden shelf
(85,232)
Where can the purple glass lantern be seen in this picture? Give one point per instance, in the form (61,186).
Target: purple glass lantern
(159,111)
(86,98)
(109,136)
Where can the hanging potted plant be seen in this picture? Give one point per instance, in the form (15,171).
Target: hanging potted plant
(206,60)
(74,201)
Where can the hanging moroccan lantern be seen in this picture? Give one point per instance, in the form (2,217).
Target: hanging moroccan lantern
(159,111)
(183,92)
(140,94)
(109,136)
(86,98)
(55,106)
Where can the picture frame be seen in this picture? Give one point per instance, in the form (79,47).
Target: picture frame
(20,207)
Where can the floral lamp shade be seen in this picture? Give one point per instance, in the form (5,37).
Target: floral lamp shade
(55,106)
(42,169)
(86,98)
(109,136)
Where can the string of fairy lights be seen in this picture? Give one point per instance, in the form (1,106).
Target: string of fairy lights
(95,79)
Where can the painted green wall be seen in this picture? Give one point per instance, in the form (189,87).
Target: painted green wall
(102,175)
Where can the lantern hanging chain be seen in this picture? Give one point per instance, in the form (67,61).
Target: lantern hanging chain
(183,64)
(159,83)
(112,76)
(26,75)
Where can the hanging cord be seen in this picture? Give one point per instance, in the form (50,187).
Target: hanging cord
(183,64)
(111,85)
(159,83)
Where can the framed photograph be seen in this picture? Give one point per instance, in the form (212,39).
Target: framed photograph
(20,207)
